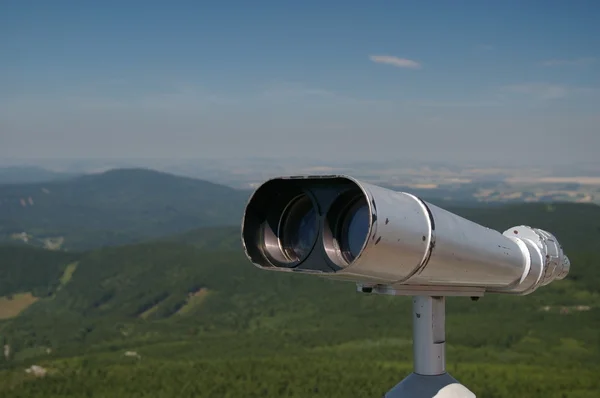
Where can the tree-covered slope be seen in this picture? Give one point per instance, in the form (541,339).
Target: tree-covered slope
(187,307)
(210,238)
(266,334)
(155,280)
(27,269)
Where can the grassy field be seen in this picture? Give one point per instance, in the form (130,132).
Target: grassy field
(13,305)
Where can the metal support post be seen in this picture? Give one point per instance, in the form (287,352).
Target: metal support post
(429,379)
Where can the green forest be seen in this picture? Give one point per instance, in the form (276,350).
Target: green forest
(187,315)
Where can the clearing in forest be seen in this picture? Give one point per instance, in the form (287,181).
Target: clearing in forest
(149,311)
(194,299)
(67,274)
(11,306)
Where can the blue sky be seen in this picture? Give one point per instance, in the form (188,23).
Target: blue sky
(450,80)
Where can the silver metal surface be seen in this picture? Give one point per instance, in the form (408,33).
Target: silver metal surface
(429,379)
(546,259)
(429,335)
(468,254)
(399,238)
(420,290)
(410,244)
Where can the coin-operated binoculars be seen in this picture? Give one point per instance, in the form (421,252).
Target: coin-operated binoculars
(394,243)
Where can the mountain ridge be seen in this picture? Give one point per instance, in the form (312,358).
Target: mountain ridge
(115,207)
(31,174)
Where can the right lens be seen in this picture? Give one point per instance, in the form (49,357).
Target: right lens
(347,227)
(354,229)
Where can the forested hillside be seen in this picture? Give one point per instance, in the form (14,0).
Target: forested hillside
(116,207)
(189,316)
(212,238)
(31,269)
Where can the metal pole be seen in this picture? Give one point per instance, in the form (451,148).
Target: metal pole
(429,335)
(429,379)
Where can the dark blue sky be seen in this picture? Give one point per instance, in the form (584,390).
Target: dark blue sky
(458,80)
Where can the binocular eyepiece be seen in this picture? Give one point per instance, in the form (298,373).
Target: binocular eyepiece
(289,218)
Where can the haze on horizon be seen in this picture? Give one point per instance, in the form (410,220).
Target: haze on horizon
(479,81)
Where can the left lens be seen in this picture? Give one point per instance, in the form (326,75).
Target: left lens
(298,228)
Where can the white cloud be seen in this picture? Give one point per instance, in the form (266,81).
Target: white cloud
(395,61)
(585,61)
(546,91)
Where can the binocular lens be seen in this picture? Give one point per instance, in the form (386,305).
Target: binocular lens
(285,218)
(347,227)
(298,228)
(354,229)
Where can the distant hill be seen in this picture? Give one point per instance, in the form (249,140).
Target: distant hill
(116,207)
(30,174)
